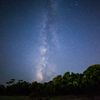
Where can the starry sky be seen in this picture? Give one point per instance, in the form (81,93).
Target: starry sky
(40,39)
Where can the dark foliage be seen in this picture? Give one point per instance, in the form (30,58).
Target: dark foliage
(87,83)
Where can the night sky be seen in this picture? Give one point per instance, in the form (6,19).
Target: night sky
(40,39)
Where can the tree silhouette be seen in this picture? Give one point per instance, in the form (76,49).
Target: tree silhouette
(87,83)
(57,78)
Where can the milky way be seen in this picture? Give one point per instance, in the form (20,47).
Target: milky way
(48,38)
(40,39)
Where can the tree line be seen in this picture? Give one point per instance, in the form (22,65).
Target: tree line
(87,82)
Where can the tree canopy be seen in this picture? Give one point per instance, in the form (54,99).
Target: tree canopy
(74,83)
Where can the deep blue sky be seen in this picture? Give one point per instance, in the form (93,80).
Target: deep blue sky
(40,39)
